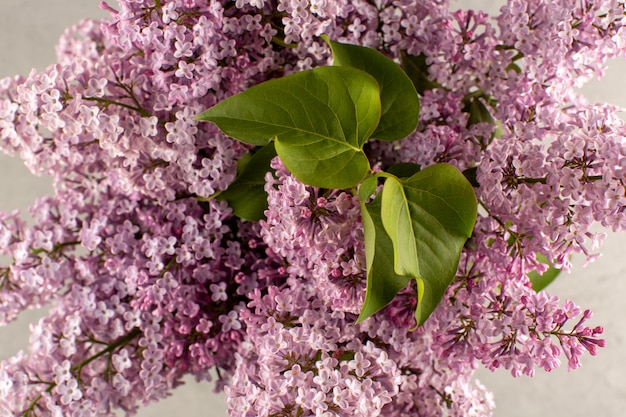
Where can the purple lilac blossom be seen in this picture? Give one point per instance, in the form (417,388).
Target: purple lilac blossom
(151,278)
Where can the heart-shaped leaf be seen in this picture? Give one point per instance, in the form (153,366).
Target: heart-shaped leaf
(382,282)
(320,119)
(398,97)
(246,195)
(428,218)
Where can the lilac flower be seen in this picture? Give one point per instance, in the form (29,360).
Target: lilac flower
(230,321)
(154,278)
(218,292)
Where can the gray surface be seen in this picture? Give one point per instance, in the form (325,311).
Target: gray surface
(27,37)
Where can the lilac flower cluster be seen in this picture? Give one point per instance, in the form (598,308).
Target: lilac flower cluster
(302,358)
(152,278)
(318,233)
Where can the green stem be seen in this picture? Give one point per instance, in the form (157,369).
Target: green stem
(76,369)
(207,199)
(498,220)
(384,175)
(504,47)
(594,178)
(543,180)
(5,282)
(280,42)
(518,56)
(56,248)
(31,408)
(532,180)
(91,142)
(108,102)
(131,94)
(109,349)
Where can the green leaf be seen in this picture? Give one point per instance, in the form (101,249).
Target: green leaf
(539,282)
(428,218)
(477,105)
(417,70)
(382,282)
(243,161)
(398,97)
(478,112)
(246,195)
(471,175)
(319,119)
(403,169)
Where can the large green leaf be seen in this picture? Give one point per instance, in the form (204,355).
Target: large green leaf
(428,218)
(399,100)
(382,282)
(320,119)
(246,195)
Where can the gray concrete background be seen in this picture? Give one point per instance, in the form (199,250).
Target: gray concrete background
(28,34)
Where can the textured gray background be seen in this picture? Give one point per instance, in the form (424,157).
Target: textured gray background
(28,33)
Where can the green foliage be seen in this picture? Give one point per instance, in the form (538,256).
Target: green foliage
(471,175)
(399,101)
(474,104)
(417,70)
(403,169)
(319,121)
(541,281)
(382,282)
(428,218)
(246,195)
(345,110)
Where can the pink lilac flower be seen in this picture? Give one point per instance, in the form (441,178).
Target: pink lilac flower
(319,235)
(152,278)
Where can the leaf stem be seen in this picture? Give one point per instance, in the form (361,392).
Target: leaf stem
(209,198)
(280,42)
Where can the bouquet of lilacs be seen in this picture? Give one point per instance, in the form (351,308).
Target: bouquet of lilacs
(322,240)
